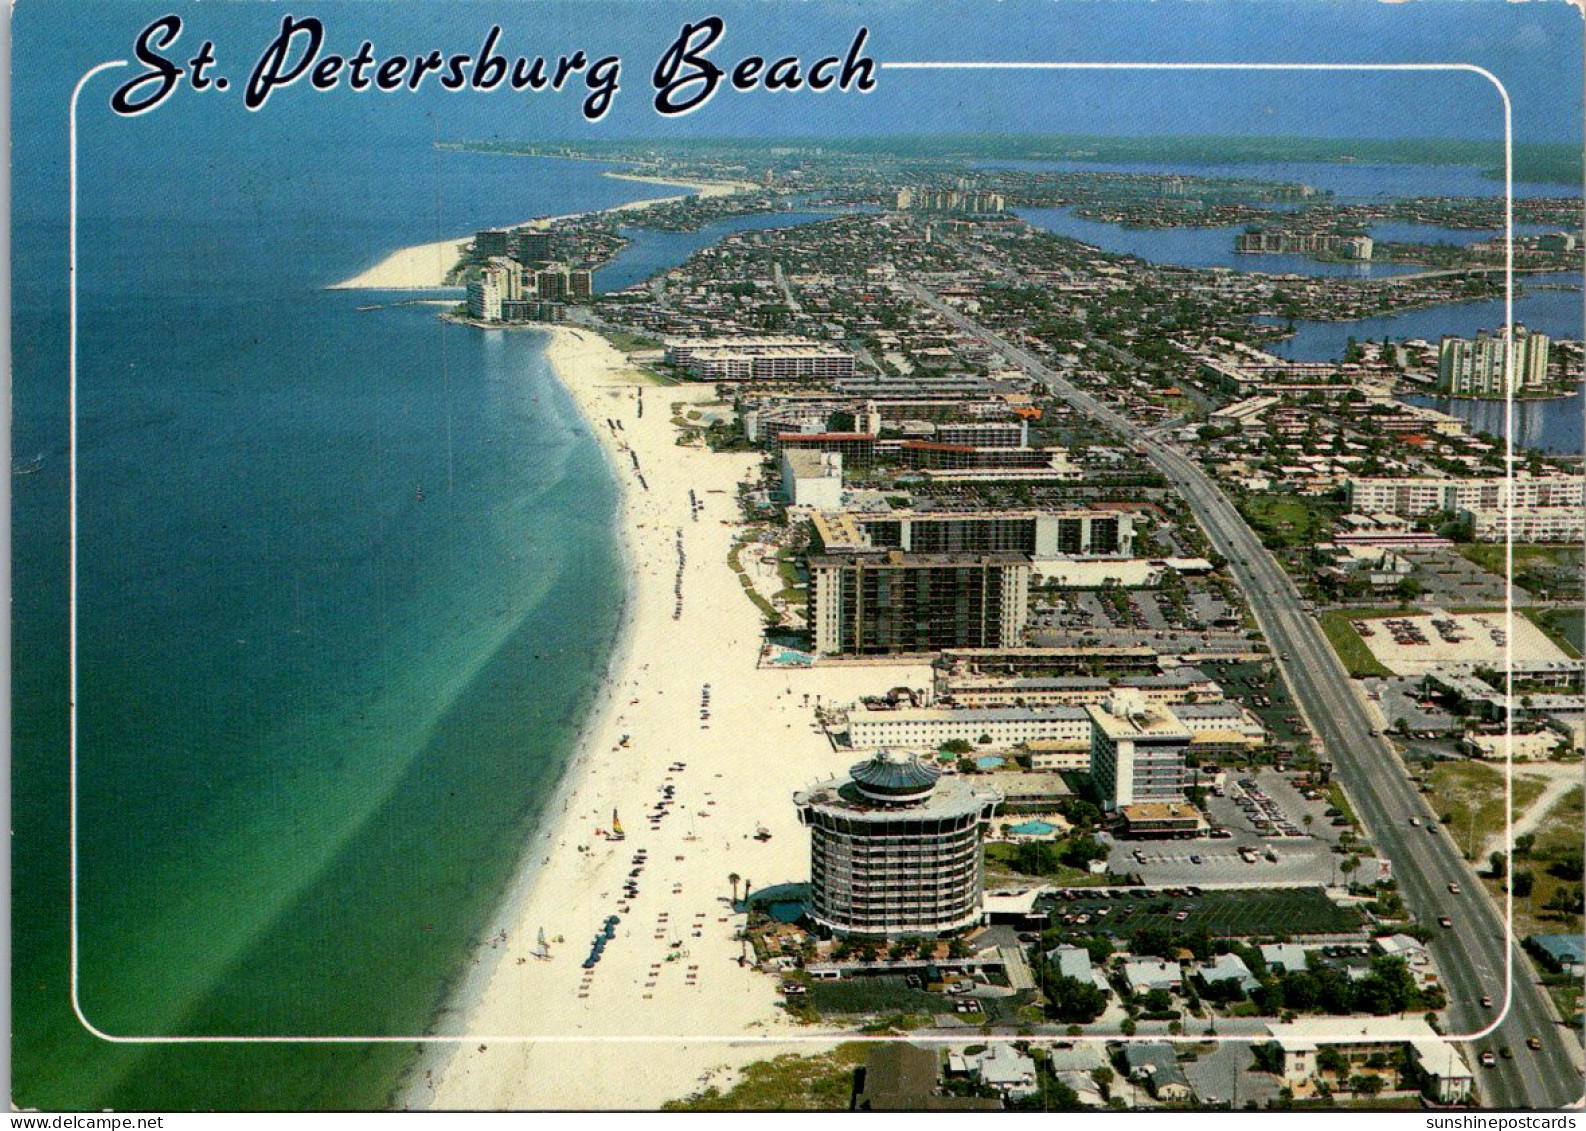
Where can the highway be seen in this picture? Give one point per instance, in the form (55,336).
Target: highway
(1472,953)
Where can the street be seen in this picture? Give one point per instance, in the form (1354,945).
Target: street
(1473,953)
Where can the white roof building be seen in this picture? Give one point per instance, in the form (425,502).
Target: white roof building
(1144,974)
(1000,1066)
(1074,962)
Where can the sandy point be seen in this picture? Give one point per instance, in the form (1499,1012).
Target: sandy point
(425,267)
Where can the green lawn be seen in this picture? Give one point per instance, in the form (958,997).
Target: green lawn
(1289,520)
(749,590)
(1351,649)
(999,862)
(1242,913)
(882,994)
(1550,571)
(1562,626)
(1561,828)
(1493,556)
(1558,835)
(629,342)
(1470,795)
(786,1083)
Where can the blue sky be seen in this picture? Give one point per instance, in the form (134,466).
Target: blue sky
(1534,47)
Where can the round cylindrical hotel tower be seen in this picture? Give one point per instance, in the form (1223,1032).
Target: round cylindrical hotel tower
(896,850)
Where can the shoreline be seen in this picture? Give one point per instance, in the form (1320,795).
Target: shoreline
(691,792)
(424,267)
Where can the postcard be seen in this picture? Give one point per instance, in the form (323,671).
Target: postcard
(881,556)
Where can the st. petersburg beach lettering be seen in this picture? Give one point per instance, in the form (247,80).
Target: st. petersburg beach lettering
(687,75)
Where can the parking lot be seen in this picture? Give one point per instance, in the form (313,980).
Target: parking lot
(1416,645)
(1244,912)
(1400,698)
(1301,861)
(1257,687)
(1448,577)
(1271,855)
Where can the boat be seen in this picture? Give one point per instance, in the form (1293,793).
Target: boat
(542,948)
(418,495)
(616,828)
(31,467)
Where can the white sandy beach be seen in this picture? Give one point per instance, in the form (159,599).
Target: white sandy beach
(425,267)
(672,970)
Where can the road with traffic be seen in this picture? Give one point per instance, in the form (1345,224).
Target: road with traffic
(1473,954)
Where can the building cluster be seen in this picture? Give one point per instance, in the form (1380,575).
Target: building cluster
(963,199)
(520,281)
(1479,366)
(769,358)
(1524,507)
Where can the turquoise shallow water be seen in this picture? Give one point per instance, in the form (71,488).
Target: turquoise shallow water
(348,581)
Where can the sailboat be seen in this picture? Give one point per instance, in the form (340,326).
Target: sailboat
(616,827)
(542,948)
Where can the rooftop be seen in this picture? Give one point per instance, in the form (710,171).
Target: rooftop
(1061,712)
(952,796)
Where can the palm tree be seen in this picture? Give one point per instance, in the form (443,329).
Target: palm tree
(733,879)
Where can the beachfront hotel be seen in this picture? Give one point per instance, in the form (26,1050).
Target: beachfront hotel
(1075,533)
(896,849)
(893,602)
(772,358)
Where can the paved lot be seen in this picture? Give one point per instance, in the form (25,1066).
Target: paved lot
(1418,645)
(1399,698)
(1451,578)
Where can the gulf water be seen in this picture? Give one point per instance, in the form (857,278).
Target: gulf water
(348,581)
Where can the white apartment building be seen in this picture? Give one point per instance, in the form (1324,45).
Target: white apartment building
(1418,495)
(484,298)
(1475,366)
(1532,524)
(1137,751)
(759,359)
(929,727)
(812,478)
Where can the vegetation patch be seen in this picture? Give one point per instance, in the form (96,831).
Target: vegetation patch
(1352,651)
(875,995)
(786,1083)
(1242,913)
(1289,521)
(1469,798)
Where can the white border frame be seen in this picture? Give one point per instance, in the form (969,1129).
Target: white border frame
(829,1038)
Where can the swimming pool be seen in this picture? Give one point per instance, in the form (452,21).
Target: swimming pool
(1033,828)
